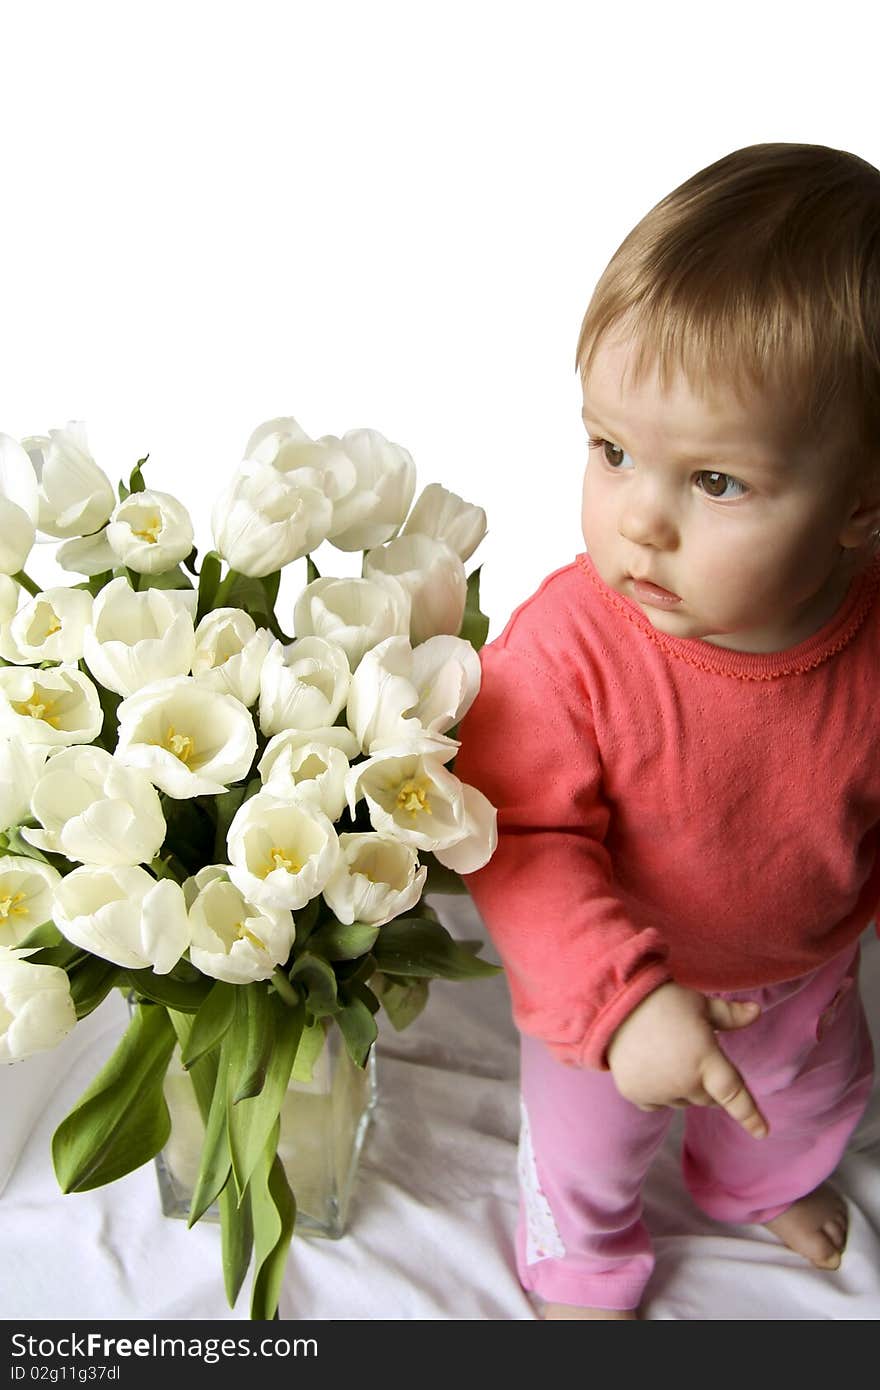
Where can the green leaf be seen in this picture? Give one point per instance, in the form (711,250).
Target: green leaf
(414,946)
(210,1023)
(343,941)
(190,560)
(237,1240)
(270,583)
(47,934)
(65,955)
(273,1210)
(402,999)
(16,844)
(136,481)
(90,983)
(250,1121)
(252,1028)
(208,1076)
(110,703)
(186,998)
(209,582)
(97,582)
(474,625)
(316,977)
(215,1163)
(122,1120)
(306,921)
(190,829)
(440,879)
(166,579)
(225,807)
(312,571)
(311,1045)
(358,1028)
(247,592)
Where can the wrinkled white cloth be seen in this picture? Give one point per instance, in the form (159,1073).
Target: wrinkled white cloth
(431,1227)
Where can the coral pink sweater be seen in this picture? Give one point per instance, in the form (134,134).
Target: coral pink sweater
(669,809)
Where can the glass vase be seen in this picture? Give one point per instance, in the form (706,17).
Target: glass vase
(323,1125)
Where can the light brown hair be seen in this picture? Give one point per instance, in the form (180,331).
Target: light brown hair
(761,271)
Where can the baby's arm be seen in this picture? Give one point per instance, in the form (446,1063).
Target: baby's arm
(577,964)
(665,1053)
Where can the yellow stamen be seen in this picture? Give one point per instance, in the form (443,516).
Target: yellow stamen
(181,745)
(150,530)
(245,934)
(413,797)
(9,906)
(53,627)
(279,860)
(36,708)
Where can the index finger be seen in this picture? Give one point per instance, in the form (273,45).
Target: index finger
(723,1083)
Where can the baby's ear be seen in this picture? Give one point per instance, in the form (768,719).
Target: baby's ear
(863,522)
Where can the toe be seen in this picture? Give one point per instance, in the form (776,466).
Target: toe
(835,1230)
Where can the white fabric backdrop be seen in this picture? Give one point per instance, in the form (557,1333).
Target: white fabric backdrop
(431,1229)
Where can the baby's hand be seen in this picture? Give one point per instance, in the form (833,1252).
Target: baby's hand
(665,1053)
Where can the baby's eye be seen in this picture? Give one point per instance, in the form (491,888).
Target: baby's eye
(613,454)
(720,485)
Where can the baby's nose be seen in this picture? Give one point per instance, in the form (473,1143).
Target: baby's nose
(646,519)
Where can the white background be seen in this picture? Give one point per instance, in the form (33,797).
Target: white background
(387,214)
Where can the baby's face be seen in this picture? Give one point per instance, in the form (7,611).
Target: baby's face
(749,537)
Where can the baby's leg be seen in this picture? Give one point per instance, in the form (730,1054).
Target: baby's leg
(584,1152)
(809,1064)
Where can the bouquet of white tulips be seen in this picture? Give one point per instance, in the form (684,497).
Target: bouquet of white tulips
(232,825)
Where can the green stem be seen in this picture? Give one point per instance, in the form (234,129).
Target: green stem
(27,583)
(288,993)
(219,600)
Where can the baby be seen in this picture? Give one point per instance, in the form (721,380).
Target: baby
(673,730)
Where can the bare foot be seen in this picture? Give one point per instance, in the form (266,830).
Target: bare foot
(816,1227)
(557,1311)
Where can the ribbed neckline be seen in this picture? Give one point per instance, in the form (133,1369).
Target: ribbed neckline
(754,666)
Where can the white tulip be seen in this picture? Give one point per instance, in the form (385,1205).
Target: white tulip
(378,878)
(375,507)
(20,767)
(19,505)
(413,797)
(434,578)
(303,685)
(136,638)
(75,496)
(123,915)
(95,810)
(229,653)
(284,444)
(265,519)
(281,852)
(397,692)
(190,740)
(36,1008)
(150,532)
(354,613)
(87,554)
(233,939)
(49,627)
(27,887)
(309,765)
(445,516)
(56,706)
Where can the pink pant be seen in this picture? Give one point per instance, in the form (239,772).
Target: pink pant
(584,1150)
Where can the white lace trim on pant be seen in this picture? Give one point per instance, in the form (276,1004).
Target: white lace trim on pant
(543,1240)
